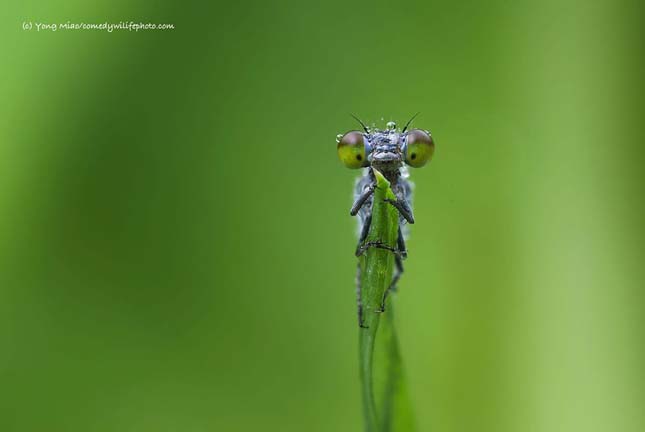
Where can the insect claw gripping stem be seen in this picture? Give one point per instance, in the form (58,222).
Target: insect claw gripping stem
(403,208)
(362,199)
(397,275)
(359,302)
(400,243)
(379,245)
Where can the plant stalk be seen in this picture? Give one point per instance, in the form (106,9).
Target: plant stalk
(386,407)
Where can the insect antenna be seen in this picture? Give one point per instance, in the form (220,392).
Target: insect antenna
(365,128)
(410,121)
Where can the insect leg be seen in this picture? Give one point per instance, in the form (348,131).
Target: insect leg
(403,207)
(360,201)
(400,250)
(359,301)
(398,271)
(365,229)
(400,242)
(376,244)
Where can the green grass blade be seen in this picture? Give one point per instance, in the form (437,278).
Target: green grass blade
(386,406)
(391,393)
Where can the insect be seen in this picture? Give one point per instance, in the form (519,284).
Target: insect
(388,151)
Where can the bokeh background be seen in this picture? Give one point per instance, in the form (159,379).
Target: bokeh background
(175,245)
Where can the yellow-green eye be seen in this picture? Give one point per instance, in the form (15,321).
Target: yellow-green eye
(420,148)
(351,150)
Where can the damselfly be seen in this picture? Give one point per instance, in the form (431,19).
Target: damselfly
(388,151)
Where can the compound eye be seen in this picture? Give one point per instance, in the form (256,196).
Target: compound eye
(351,150)
(420,148)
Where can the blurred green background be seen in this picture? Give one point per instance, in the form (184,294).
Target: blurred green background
(176,252)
